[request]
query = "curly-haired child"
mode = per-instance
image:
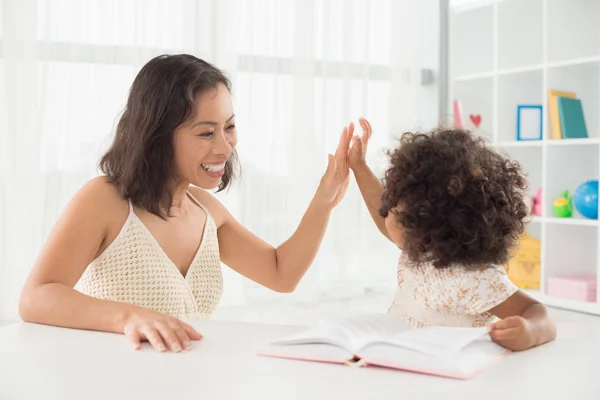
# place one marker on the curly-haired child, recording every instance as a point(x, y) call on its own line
point(455, 207)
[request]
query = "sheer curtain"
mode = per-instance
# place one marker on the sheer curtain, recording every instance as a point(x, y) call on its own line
point(301, 69)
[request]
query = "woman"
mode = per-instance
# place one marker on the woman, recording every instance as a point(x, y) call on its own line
point(145, 241)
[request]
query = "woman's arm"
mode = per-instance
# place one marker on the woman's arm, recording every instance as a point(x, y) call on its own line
point(281, 268)
point(49, 297)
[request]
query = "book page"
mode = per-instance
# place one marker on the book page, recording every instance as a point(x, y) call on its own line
point(474, 358)
point(334, 337)
point(363, 328)
point(438, 341)
point(356, 331)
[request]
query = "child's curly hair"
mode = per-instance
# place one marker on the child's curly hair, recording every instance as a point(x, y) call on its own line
point(459, 201)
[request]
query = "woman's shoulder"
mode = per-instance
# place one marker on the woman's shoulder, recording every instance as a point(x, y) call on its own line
point(95, 213)
point(100, 198)
point(102, 190)
point(215, 208)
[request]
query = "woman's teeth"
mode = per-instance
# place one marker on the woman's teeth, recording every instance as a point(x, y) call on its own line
point(213, 167)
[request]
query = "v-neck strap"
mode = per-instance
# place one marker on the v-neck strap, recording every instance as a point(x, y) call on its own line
point(195, 200)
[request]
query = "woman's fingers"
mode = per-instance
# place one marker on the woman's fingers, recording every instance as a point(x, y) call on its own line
point(182, 336)
point(344, 142)
point(191, 332)
point(170, 338)
point(136, 339)
point(151, 334)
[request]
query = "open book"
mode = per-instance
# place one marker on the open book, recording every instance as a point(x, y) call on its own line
point(386, 341)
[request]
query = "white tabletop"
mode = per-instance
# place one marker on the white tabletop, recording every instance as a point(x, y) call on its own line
point(54, 363)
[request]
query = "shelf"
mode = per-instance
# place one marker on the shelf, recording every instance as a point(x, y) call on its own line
point(536, 46)
point(566, 304)
point(520, 70)
point(528, 68)
point(571, 221)
point(474, 77)
point(573, 142)
point(520, 144)
point(574, 62)
point(540, 143)
point(500, 72)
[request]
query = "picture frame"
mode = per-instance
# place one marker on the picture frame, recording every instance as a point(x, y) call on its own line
point(529, 122)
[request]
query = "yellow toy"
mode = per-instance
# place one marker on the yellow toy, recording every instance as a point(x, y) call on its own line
point(524, 267)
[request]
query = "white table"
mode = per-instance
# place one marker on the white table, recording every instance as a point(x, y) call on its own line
point(53, 363)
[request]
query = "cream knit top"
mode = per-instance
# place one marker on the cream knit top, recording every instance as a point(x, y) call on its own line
point(134, 269)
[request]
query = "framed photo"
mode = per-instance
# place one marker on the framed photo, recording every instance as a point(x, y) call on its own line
point(529, 122)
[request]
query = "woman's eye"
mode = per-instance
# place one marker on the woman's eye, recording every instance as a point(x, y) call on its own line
point(206, 135)
point(230, 127)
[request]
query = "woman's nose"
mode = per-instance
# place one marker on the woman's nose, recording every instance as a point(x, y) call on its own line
point(222, 145)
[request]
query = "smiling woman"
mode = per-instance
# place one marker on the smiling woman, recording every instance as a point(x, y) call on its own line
point(144, 242)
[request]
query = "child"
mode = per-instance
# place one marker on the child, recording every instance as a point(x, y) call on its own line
point(456, 208)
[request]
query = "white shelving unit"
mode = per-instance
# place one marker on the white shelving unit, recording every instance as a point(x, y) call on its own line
point(509, 52)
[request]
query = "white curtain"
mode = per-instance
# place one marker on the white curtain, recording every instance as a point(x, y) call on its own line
point(301, 69)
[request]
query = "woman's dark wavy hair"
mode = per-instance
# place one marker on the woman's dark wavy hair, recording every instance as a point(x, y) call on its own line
point(459, 201)
point(140, 161)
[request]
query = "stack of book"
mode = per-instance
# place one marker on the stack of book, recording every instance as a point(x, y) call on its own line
point(565, 111)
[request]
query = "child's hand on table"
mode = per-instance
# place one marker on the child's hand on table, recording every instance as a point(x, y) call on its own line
point(514, 333)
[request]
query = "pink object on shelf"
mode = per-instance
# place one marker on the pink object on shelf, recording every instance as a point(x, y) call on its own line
point(457, 114)
point(576, 287)
point(475, 119)
point(537, 203)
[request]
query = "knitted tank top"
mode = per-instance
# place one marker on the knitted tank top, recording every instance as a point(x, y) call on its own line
point(134, 269)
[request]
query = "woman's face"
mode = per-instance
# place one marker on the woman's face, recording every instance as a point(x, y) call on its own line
point(203, 144)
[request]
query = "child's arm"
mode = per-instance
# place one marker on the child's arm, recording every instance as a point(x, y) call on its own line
point(369, 185)
point(524, 323)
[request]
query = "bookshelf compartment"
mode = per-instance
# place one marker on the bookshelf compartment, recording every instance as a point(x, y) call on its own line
point(573, 30)
point(570, 251)
point(516, 89)
point(476, 98)
point(584, 80)
point(474, 30)
point(520, 33)
point(568, 168)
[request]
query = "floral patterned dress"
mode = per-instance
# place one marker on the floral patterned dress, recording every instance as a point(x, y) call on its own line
point(453, 296)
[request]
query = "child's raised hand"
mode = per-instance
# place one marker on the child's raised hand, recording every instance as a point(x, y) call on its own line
point(358, 149)
point(514, 333)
